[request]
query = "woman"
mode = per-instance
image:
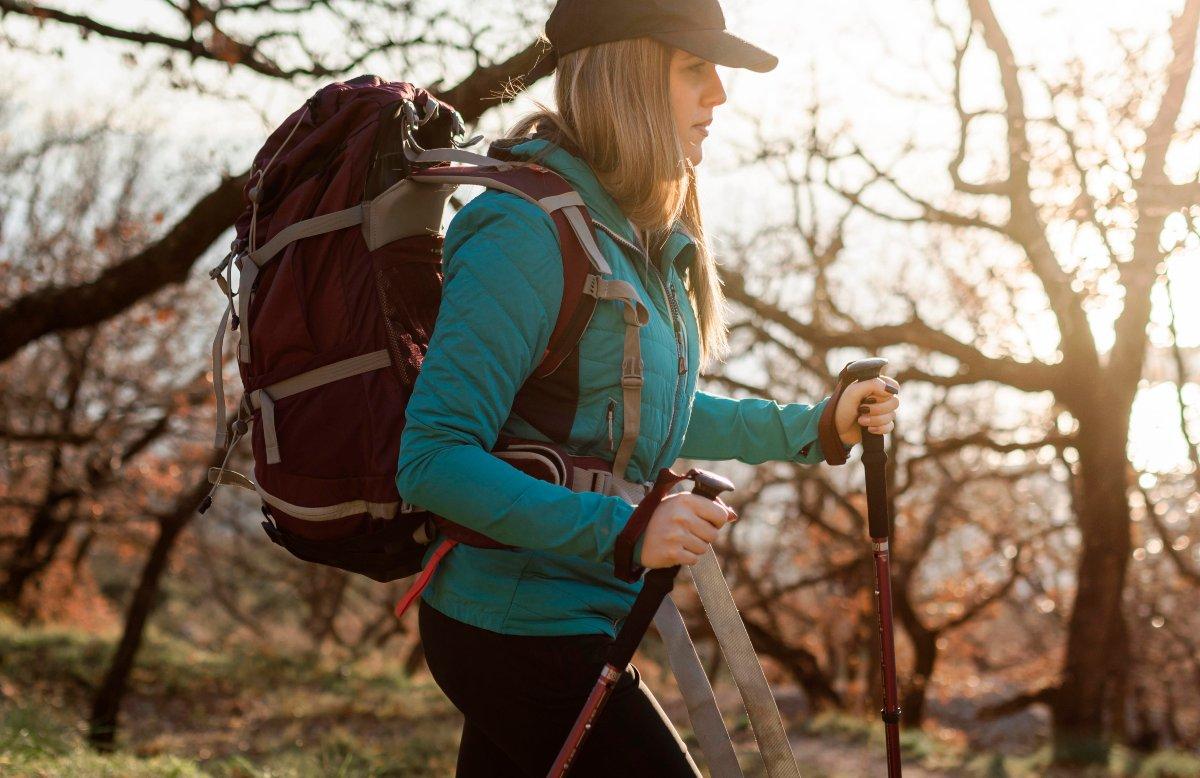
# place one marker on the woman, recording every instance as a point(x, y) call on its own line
point(516, 637)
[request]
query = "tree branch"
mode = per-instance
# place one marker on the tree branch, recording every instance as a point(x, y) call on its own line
point(168, 261)
point(1027, 376)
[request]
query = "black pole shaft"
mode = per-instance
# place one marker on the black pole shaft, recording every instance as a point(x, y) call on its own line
point(657, 584)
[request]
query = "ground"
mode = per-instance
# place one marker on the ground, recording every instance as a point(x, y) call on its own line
point(194, 713)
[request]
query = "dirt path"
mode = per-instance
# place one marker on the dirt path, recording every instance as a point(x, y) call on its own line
point(827, 758)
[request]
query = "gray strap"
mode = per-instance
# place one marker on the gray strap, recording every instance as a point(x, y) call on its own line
point(318, 225)
point(222, 435)
point(588, 239)
point(574, 216)
point(238, 433)
point(743, 663)
point(589, 480)
point(460, 155)
point(266, 397)
point(264, 401)
point(221, 476)
point(249, 271)
point(557, 202)
point(697, 692)
point(363, 363)
point(636, 317)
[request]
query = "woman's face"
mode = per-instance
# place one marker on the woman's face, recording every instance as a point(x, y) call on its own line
point(695, 91)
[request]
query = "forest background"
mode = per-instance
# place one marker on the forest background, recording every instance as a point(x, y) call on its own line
point(1001, 198)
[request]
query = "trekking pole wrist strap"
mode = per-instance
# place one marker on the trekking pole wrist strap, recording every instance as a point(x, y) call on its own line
point(831, 441)
point(624, 566)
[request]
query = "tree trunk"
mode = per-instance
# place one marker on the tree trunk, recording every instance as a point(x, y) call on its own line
point(913, 699)
point(102, 728)
point(797, 662)
point(37, 549)
point(1091, 675)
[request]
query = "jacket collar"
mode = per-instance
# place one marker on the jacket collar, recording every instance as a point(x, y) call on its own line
point(680, 247)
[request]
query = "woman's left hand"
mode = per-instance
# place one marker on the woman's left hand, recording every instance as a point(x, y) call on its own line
point(867, 403)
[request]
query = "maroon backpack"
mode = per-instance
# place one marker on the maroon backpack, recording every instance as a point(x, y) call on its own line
point(339, 253)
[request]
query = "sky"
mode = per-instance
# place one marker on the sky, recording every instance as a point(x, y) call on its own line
point(864, 61)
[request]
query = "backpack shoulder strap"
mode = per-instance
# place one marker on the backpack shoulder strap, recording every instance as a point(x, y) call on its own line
point(583, 262)
point(585, 282)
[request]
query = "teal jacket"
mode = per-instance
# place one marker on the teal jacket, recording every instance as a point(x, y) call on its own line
point(502, 290)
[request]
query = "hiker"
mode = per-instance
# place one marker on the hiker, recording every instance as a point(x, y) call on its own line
point(516, 636)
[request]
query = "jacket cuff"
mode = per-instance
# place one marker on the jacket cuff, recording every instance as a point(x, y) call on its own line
point(626, 566)
point(813, 453)
point(831, 443)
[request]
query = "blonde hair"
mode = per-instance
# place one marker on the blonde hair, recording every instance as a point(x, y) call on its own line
point(614, 111)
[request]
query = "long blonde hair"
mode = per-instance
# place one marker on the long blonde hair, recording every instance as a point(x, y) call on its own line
point(614, 111)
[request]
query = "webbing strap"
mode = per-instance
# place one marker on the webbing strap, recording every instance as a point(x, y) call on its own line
point(604, 482)
point(739, 654)
point(222, 435)
point(573, 214)
point(249, 271)
point(363, 363)
point(266, 397)
point(588, 239)
point(461, 155)
point(264, 401)
point(557, 202)
point(636, 317)
point(221, 476)
point(317, 225)
point(239, 432)
point(697, 692)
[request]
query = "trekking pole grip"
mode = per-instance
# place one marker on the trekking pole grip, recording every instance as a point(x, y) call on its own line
point(657, 583)
point(874, 456)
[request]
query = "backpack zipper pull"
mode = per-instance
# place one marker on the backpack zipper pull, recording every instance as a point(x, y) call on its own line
point(612, 404)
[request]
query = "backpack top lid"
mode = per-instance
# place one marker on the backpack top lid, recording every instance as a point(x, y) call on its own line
point(340, 122)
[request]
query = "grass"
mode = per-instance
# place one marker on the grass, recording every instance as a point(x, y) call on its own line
point(252, 715)
point(919, 748)
point(195, 713)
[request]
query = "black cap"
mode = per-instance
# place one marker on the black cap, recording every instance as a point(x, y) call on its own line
point(696, 26)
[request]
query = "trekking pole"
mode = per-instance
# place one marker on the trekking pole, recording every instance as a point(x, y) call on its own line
point(656, 585)
point(874, 458)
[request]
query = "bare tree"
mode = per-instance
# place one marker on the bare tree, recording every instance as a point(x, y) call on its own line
point(1125, 213)
point(206, 31)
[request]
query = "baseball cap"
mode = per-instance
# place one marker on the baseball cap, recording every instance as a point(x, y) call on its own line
point(696, 26)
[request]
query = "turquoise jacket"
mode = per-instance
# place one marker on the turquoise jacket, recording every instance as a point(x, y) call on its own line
point(502, 290)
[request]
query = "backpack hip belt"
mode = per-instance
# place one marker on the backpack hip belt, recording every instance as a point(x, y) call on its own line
point(547, 462)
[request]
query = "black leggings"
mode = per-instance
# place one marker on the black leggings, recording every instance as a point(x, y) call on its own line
point(520, 695)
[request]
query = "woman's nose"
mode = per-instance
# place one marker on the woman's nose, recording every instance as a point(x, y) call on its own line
point(715, 93)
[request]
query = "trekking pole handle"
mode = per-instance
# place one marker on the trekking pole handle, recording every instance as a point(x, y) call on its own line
point(710, 485)
point(874, 456)
point(657, 583)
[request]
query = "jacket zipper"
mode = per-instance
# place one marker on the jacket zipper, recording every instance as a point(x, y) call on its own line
point(676, 326)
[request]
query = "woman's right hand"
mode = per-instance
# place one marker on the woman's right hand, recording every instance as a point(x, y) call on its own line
point(682, 528)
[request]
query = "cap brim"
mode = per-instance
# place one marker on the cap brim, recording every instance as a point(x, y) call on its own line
point(721, 47)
